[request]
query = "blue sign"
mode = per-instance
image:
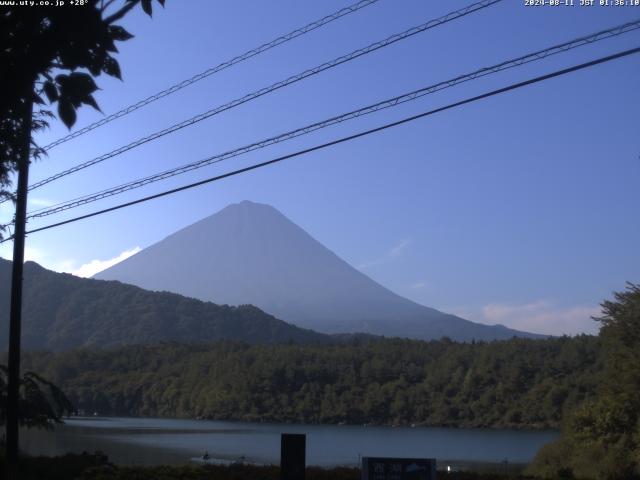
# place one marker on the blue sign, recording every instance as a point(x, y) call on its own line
point(379, 468)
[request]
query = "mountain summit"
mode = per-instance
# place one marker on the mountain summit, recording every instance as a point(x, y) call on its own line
point(249, 253)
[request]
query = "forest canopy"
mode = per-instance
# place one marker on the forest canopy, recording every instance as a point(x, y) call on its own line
point(517, 383)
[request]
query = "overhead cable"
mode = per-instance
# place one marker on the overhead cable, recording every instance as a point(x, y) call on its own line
point(276, 86)
point(492, 93)
point(213, 70)
point(391, 102)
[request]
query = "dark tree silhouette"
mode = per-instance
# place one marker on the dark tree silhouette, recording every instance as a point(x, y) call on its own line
point(601, 439)
point(42, 404)
point(52, 54)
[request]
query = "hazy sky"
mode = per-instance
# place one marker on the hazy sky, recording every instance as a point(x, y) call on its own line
point(521, 209)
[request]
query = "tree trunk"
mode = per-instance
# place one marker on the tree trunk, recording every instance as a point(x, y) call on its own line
point(13, 387)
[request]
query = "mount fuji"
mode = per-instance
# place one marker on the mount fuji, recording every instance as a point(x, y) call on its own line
point(250, 253)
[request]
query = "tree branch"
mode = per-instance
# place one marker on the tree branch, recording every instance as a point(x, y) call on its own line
point(104, 6)
point(122, 12)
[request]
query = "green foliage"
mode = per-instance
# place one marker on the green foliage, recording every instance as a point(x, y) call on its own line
point(510, 384)
point(77, 43)
point(41, 403)
point(602, 439)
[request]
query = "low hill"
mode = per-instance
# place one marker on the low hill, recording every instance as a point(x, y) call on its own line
point(61, 311)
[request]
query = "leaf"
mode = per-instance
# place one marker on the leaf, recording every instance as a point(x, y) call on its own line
point(119, 33)
point(38, 125)
point(111, 67)
point(94, 68)
point(61, 79)
point(66, 112)
point(89, 100)
point(83, 81)
point(71, 57)
point(161, 2)
point(51, 91)
point(37, 99)
point(146, 6)
point(107, 41)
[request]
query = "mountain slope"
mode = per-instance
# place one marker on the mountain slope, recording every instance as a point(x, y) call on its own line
point(61, 311)
point(251, 253)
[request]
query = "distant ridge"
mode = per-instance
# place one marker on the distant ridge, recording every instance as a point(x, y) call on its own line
point(61, 311)
point(249, 253)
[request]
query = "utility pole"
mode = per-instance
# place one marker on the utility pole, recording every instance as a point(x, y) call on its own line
point(15, 321)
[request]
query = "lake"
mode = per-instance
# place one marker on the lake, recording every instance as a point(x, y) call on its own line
point(152, 441)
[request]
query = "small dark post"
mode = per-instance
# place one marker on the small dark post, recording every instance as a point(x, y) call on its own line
point(293, 450)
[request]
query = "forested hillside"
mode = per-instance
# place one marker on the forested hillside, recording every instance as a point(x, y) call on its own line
point(62, 311)
point(517, 383)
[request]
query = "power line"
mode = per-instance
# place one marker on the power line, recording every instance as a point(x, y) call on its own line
point(525, 59)
point(218, 68)
point(278, 85)
point(514, 86)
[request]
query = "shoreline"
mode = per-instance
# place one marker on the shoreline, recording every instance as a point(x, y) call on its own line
point(149, 441)
point(497, 428)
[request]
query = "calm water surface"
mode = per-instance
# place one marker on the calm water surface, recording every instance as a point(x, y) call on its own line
point(149, 441)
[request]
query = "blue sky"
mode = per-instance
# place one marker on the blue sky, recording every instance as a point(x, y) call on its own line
point(521, 209)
